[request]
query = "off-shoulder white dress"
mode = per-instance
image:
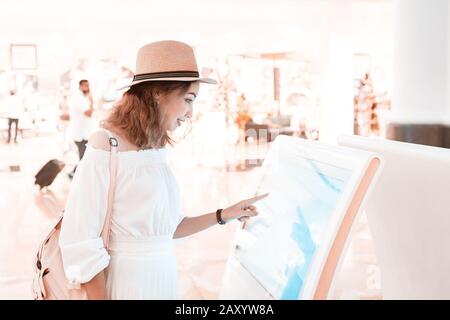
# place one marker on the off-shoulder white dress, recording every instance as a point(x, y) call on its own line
point(140, 262)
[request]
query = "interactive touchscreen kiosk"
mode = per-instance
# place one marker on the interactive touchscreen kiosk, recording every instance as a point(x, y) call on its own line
point(409, 218)
point(291, 250)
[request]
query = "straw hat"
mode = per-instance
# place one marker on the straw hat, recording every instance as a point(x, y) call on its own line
point(166, 61)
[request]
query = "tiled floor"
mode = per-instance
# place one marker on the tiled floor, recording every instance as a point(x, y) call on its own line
point(209, 177)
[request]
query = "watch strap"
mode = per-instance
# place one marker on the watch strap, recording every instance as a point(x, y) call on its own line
point(219, 216)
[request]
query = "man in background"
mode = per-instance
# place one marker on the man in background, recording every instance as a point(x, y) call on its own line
point(81, 108)
point(13, 111)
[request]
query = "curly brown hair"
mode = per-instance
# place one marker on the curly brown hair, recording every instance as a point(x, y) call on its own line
point(137, 116)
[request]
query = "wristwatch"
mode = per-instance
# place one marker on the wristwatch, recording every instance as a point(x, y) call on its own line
point(219, 216)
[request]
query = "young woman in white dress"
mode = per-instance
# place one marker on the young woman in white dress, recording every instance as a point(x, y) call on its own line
point(140, 261)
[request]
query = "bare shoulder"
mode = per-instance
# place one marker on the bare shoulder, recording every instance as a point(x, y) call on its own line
point(99, 140)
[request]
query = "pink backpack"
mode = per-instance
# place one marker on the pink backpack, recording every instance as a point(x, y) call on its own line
point(50, 282)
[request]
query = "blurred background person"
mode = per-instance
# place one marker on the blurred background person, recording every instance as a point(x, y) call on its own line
point(81, 108)
point(243, 115)
point(13, 110)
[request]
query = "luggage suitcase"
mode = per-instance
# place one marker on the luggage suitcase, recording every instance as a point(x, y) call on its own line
point(48, 173)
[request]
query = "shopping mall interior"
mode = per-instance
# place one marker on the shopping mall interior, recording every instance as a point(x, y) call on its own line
point(307, 69)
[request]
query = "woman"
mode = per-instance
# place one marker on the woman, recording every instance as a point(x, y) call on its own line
point(140, 263)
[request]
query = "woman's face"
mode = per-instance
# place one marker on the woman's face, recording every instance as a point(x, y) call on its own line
point(177, 106)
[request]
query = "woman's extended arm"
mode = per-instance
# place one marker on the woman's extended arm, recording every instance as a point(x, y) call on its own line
point(241, 210)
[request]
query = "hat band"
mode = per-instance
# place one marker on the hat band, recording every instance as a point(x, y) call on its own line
point(170, 74)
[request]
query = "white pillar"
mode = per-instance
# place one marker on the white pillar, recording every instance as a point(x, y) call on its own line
point(336, 99)
point(421, 68)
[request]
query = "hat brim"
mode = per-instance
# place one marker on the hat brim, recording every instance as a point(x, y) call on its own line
point(203, 80)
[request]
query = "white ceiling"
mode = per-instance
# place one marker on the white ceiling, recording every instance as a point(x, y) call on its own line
point(117, 27)
point(155, 18)
point(139, 20)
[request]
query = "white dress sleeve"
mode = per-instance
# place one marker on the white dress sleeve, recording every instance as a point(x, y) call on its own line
point(180, 214)
point(82, 249)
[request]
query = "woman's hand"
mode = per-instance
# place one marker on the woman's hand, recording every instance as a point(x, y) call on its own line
point(242, 210)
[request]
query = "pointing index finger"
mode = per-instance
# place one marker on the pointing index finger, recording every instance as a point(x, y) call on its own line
point(257, 198)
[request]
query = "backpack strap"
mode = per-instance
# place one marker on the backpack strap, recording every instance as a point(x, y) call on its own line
point(106, 230)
